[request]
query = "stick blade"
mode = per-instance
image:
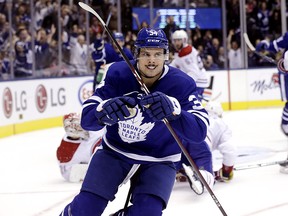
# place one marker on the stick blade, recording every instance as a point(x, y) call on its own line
point(91, 10)
point(248, 42)
point(84, 6)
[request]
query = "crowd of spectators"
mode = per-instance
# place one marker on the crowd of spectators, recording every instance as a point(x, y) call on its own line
point(38, 33)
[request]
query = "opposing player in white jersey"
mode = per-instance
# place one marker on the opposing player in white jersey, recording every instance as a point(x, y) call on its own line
point(188, 60)
point(219, 137)
point(76, 148)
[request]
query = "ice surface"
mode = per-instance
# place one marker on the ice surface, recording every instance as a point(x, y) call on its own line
point(31, 184)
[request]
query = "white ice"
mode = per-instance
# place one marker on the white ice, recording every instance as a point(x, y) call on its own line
point(31, 184)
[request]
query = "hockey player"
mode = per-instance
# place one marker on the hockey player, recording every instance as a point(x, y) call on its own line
point(106, 53)
point(76, 148)
point(275, 46)
point(186, 172)
point(188, 60)
point(137, 143)
point(219, 137)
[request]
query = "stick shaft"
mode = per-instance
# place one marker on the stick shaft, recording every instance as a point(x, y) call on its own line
point(252, 48)
point(252, 166)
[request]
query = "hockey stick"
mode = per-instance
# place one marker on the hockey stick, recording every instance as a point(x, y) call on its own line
point(107, 23)
point(212, 99)
point(252, 48)
point(251, 166)
point(145, 89)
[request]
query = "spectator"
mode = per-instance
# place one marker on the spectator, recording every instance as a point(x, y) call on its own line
point(170, 27)
point(43, 55)
point(144, 23)
point(22, 16)
point(23, 54)
point(43, 9)
point(4, 32)
point(210, 64)
point(234, 52)
point(274, 22)
point(233, 14)
point(96, 29)
point(221, 58)
point(263, 16)
point(251, 17)
point(79, 54)
point(4, 65)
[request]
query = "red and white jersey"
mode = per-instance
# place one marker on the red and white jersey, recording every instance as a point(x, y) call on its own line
point(219, 137)
point(73, 152)
point(189, 61)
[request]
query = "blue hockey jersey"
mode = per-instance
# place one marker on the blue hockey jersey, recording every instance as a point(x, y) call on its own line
point(109, 55)
point(281, 42)
point(140, 139)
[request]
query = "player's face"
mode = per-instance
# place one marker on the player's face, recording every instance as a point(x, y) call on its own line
point(178, 44)
point(151, 62)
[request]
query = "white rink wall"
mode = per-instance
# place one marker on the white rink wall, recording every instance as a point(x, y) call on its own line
point(28, 105)
point(243, 89)
point(40, 103)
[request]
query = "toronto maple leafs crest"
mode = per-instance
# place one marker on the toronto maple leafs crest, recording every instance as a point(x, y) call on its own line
point(133, 129)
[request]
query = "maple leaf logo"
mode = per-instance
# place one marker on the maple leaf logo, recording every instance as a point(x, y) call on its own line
point(134, 130)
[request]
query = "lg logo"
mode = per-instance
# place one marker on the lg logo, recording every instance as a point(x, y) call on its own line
point(19, 101)
point(7, 102)
point(41, 98)
point(57, 98)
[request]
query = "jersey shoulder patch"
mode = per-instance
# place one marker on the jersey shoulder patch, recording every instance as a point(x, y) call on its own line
point(185, 51)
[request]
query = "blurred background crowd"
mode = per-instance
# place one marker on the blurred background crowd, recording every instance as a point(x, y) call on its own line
point(46, 38)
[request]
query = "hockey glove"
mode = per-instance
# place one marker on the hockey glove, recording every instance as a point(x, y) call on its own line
point(98, 45)
point(113, 110)
point(98, 54)
point(262, 45)
point(159, 106)
point(225, 174)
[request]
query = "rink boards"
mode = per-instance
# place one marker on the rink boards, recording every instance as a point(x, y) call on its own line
point(29, 105)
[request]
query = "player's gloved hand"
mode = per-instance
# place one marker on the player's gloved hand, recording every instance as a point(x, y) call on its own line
point(159, 106)
point(262, 45)
point(114, 110)
point(97, 54)
point(225, 174)
point(98, 44)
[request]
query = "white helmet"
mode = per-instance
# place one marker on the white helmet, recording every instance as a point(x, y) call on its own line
point(214, 108)
point(180, 34)
point(72, 127)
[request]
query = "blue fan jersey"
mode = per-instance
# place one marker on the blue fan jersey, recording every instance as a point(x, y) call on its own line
point(139, 139)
